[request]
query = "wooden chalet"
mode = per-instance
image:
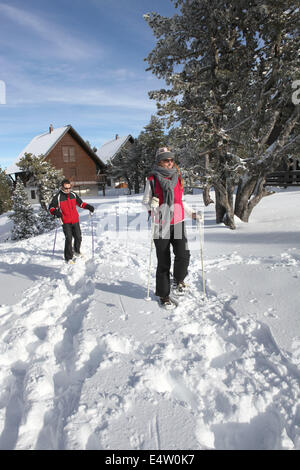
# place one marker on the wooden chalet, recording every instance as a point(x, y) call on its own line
point(66, 150)
point(109, 151)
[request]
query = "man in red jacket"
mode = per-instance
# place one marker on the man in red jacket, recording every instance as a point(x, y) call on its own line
point(63, 206)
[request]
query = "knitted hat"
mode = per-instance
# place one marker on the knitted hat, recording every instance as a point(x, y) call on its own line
point(163, 153)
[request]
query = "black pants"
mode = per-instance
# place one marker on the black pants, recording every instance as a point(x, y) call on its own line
point(177, 238)
point(70, 231)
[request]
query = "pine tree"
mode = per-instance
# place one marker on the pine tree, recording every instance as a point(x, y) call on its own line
point(23, 217)
point(135, 162)
point(5, 193)
point(47, 179)
point(149, 140)
point(229, 69)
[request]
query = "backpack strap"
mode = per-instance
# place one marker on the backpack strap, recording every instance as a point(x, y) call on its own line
point(152, 184)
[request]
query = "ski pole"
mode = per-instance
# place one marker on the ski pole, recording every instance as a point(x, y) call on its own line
point(201, 255)
point(54, 240)
point(150, 262)
point(154, 206)
point(57, 225)
point(92, 235)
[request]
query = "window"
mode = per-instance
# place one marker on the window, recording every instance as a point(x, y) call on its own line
point(68, 153)
point(71, 154)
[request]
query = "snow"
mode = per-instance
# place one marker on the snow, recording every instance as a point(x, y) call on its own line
point(87, 363)
point(108, 150)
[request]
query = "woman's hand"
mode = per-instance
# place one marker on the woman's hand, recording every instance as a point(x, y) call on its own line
point(198, 216)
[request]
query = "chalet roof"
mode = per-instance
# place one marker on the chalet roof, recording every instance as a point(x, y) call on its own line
point(109, 150)
point(44, 143)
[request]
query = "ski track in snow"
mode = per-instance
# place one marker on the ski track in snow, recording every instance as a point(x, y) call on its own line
point(87, 363)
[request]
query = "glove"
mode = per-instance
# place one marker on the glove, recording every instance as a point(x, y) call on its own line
point(89, 208)
point(198, 216)
point(57, 213)
point(155, 202)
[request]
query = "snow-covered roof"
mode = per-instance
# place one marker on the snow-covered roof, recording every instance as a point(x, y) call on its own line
point(44, 143)
point(40, 145)
point(108, 150)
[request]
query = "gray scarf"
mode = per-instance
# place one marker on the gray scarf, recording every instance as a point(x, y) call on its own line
point(167, 186)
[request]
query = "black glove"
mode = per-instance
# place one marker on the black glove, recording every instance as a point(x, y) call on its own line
point(57, 213)
point(89, 208)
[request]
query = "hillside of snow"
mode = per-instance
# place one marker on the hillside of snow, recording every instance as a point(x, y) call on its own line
point(87, 363)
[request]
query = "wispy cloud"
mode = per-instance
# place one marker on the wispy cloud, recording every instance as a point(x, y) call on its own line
point(62, 43)
point(135, 99)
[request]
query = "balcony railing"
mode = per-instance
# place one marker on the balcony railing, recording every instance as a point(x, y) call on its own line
point(284, 178)
point(88, 179)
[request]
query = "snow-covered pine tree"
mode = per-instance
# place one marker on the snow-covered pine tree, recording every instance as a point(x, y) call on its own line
point(5, 193)
point(23, 217)
point(229, 69)
point(120, 168)
point(149, 140)
point(47, 179)
point(135, 162)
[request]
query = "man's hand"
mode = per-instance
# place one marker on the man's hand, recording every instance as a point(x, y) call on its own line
point(57, 213)
point(89, 208)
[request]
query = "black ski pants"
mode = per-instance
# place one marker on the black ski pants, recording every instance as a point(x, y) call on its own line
point(177, 238)
point(72, 231)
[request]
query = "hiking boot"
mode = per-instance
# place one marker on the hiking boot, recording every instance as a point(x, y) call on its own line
point(179, 288)
point(167, 303)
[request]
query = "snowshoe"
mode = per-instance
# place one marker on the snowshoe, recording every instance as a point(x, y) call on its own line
point(167, 303)
point(179, 289)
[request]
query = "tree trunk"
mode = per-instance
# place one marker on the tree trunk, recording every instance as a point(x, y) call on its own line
point(224, 208)
point(220, 209)
point(248, 195)
point(244, 192)
point(136, 185)
point(206, 196)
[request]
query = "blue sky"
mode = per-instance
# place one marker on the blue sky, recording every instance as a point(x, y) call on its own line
point(78, 62)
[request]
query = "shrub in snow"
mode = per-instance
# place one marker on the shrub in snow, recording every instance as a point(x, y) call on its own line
point(24, 220)
point(45, 221)
point(47, 180)
point(5, 193)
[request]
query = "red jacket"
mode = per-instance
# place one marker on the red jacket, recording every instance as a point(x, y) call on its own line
point(178, 193)
point(66, 203)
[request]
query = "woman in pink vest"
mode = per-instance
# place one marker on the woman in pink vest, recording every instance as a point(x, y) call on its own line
point(163, 198)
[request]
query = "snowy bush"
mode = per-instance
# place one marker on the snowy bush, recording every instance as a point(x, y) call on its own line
point(23, 217)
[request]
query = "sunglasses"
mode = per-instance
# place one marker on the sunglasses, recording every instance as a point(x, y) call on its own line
point(168, 160)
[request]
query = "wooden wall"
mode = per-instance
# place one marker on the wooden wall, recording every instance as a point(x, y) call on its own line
point(83, 169)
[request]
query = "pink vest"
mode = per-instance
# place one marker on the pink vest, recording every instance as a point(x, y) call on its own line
point(178, 206)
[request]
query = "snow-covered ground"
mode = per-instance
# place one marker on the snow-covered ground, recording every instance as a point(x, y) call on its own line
point(87, 363)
